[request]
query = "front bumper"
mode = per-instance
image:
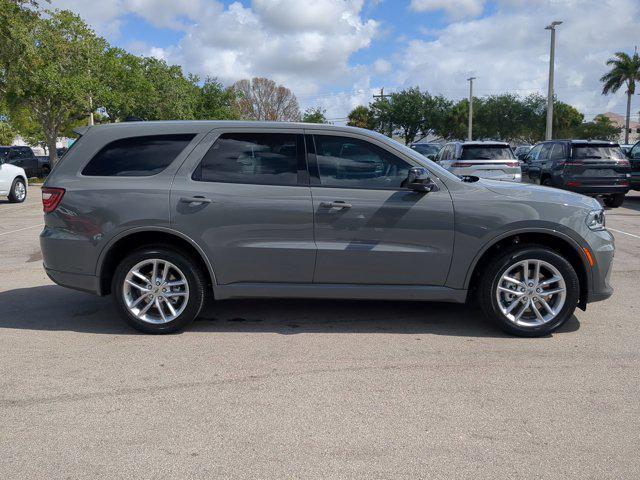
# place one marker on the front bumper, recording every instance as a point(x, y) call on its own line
point(602, 247)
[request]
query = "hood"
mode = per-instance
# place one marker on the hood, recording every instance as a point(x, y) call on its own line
point(529, 191)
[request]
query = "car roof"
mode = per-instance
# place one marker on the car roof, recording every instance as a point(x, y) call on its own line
point(202, 126)
point(485, 143)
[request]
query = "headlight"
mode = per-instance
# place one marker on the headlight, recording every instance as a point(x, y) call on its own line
point(595, 220)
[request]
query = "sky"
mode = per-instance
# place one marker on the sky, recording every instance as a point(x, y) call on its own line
point(337, 53)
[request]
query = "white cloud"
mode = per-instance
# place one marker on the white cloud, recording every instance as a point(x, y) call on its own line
point(381, 66)
point(509, 51)
point(303, 45)
point(456, 9)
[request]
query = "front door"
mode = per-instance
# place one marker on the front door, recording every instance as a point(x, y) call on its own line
point(244, 197)
point(368, 229)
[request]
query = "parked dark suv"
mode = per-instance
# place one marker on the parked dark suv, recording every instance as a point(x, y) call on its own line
point(589, 167)
point(634, 160)
point(163, 214)
point(24, 158)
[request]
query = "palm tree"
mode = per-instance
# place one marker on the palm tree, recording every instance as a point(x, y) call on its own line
point(625, 71)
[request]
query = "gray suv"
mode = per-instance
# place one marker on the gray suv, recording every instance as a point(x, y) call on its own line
point(162, 215)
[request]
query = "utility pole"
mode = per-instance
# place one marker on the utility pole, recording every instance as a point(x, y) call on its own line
point(552, 54)
point(382, 96)
point(470, 134)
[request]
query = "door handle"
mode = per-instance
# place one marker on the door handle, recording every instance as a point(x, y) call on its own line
point(197, 200)
point(336, 204)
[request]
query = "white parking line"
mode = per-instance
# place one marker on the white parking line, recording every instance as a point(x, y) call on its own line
point(20, 229)
point(625, 233)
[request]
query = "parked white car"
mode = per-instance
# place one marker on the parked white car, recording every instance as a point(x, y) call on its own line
point(13, 182)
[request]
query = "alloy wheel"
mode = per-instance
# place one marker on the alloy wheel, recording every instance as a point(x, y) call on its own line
point(531, 293)
point(155, 291)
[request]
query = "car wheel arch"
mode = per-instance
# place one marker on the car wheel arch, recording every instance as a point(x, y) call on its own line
point(555, 239)
point(138, 237)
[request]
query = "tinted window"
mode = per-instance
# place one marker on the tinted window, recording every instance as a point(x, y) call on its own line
point(597, 152)
point(262, 158)
point(137, 156)
point(635, 151)
point(486, 152)
point(349, 162)
point(558, 152)
point(533, 153)
point(546, 151)
point(425, 149)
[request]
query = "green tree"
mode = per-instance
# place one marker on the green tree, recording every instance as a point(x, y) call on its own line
point(566, 120)
point(169, 94)
point(601, 128)
point(625, 71)
point(214, 102)
point(52, 77)
point(122, 89)
point(361, 117)
point(315, 115)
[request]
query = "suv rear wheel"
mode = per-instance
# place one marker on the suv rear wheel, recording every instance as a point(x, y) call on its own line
point(614, 201)
point(529, 291)
point(157, 290)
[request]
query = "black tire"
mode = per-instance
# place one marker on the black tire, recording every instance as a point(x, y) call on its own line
point(46, 171)
point(195, 278)
point(614, 201)
point(508, 258)
point(547, 182)
point(13, 197)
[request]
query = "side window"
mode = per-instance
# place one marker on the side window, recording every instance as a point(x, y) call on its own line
point(353, 163)
point(635, 151)
point(546, 150)
point(533, 153)
point(558, 152)
point(137, 156)
point(256, 158)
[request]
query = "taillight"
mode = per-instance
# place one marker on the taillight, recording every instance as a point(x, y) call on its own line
point(51, 198)
point(512, 164)
point(573, 184)
point(573, 163)
point(623, 163)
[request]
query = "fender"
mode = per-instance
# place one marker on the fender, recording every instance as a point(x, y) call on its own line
point(125, 233)
point(510, 233)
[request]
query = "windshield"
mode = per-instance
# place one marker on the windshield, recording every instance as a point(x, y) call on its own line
point(437, 170)
point(486, 152)
point(426, 149)
point(607, 152)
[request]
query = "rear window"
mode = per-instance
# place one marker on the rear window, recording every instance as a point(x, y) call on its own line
point(597, 152)
point(137, 156)
point(486, 152)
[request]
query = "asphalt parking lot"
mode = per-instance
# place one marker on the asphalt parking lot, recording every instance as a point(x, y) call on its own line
point(312, 389)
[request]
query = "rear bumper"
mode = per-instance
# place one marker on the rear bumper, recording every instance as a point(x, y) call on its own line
point(594, 190)
point(76, 281)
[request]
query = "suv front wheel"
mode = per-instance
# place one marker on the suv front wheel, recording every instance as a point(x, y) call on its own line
point(157, 290)
point(529, 291)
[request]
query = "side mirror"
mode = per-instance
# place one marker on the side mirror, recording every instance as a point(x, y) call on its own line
point(418, 180)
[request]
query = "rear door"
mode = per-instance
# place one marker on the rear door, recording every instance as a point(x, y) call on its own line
point(243, 195)
point(368, 229)
point(537, 166)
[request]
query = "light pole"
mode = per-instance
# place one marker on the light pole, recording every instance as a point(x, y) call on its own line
point(552, 54)
point(470, 134)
